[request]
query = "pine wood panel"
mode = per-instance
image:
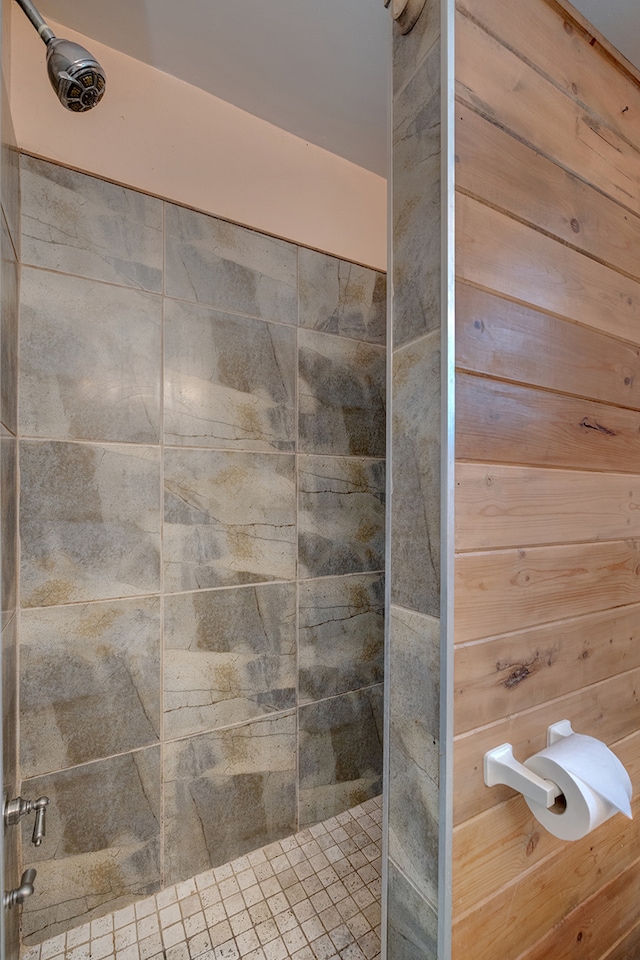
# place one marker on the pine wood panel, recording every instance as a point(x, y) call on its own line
point(506, 340)
point(506, 423)
point(511, 922)
point(495, 167)
point(547, 592)
point(495, 678)
point(503, 255)
point(503, 506)
point(492, 849)
point(505, 590)
point(607, 710)
point(628, 948)
point(589, 930)
point(500, 85)
point(562, 51)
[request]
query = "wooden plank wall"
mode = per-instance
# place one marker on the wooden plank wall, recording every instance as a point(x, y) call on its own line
point(548, 473)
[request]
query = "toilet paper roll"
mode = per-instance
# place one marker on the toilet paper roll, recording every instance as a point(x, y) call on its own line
point(594, 784)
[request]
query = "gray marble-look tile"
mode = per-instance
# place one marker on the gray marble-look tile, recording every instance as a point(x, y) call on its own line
point(11, 850)
point(340, 758)
point(10, 245)
point(414, 707)
point(229, 267)
point(412, 923)
point(341, 396)
point(79, 224)
point(230, 656)
point(8, 524)
point(89, 521)
point(90, 360)
point(10, 157)
point(89, 682)
point(341, 297)
point(341, 516)
point(9, 710)
point(230, 381)
point(102, 849)
point(416, 201)
point(227, 793)
point(410, 49)
point(340, 635)
point(9, 300)
point(416, 428)
point(229, 518)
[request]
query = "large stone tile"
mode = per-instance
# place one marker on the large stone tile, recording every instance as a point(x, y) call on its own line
point(341, 516)
point(229, 518)
point(8, 333)
point(89, 682)
point(229, 267)
point(10, 708)
point(417, 239)
point(415, 527)
point(410, 49)
point(90, 521)
point(414, 707)
point(341, 297)
point(79, 224)
point(11, 849)
point(412, 925)
point(10, 246)
point(340, 759)
point(340, 635)
point(10, 158)
point(341, 396)
point(102, 848)
point(230, 656)
point(8, 524)
point(227, 793)
point(90, 360)
point(230, 381)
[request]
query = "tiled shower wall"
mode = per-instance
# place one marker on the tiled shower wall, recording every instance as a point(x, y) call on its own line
point(201, 548)
point(9, 248)
point(413, 702)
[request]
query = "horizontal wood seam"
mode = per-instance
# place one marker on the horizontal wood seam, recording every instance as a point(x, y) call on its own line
point(468, 734)
point(505, 211)
point(465, 282)
point(545, 76)
point(543, 153)
point(493, 378)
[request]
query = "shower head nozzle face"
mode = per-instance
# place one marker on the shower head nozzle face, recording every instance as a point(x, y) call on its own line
point(77, 78)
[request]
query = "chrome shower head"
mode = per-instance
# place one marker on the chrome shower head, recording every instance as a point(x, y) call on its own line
point(77, 78)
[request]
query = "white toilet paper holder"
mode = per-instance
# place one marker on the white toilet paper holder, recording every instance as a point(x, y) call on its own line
point(500, 766)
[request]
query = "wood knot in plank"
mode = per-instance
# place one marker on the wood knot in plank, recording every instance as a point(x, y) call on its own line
point(590, 424)
point(517, 676)
point(532, 843)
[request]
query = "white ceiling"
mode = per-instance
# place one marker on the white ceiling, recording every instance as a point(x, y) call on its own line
point(317, 68)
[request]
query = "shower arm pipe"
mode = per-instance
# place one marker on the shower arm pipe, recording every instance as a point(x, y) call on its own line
point(46, 33)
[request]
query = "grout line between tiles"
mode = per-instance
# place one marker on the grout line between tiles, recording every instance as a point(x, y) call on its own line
point(275, 715)
point(159, 445)
point(234, 586)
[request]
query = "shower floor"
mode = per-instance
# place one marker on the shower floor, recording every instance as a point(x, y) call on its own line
point(312, 896)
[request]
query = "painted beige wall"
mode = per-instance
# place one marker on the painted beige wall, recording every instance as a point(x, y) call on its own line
point(159, 134)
